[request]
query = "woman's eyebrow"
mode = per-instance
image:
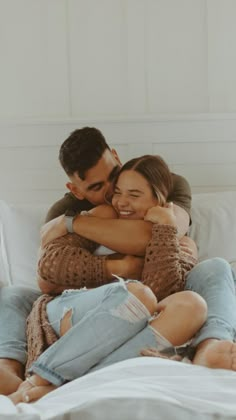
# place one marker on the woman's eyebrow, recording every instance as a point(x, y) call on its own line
point(136, 191)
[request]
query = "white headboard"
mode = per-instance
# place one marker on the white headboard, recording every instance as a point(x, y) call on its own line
point(200, 147)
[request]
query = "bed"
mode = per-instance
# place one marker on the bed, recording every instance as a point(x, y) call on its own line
point(140, 388)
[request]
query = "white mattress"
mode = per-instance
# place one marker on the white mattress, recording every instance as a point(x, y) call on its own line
point(137, 389)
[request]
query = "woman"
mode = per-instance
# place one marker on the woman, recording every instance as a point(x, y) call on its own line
point(114, 322)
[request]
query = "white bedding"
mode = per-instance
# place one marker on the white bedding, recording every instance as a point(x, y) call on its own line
point(137, 389)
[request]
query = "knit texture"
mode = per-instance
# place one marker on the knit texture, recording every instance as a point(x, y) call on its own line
point(40, 334)
point(166, 265)
point(68, 261)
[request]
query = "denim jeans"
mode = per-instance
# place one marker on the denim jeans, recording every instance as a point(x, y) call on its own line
point(214, 280)
point(15, 306)
point(103, 319)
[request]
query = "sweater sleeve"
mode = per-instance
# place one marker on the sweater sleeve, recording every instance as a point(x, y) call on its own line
point(165, 265)
point(68, 261)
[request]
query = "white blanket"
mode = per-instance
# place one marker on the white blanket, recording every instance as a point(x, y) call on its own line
point(137, 389)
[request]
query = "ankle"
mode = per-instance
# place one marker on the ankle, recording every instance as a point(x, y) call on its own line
point(38, 380)
point(206, 343)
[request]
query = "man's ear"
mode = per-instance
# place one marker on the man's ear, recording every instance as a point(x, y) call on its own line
point(116, 156)
point(74, 190)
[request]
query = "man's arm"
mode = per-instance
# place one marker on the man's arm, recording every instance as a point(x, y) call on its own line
point(123, 236)
point(118, 235)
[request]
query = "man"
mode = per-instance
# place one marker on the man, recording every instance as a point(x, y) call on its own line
point(98, 167)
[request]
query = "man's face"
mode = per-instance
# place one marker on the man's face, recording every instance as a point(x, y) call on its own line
point(96, 187)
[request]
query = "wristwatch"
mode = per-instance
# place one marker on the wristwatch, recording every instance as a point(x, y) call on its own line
point(69, 218)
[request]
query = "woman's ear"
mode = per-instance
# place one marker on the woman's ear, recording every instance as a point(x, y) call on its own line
point(74, 190)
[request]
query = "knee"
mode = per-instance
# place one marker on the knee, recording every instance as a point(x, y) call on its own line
point(145, 295)
point(18, 298)
point(12, 296)
point(214, 268)
point(216, 265)
point(192, 304)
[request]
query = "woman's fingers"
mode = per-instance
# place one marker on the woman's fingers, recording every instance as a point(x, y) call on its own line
point(155, 353)
point(152, 352)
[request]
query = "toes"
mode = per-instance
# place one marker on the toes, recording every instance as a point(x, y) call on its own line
point(37, 392)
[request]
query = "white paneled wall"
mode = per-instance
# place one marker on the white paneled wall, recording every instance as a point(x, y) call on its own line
point(201, 148)
point(91, 58)
point(156, 76)
point(33, 49)
point(222, 55)
point(176, 56)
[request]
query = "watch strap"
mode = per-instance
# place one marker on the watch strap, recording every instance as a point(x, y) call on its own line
point(69, 223)
point(69, 218)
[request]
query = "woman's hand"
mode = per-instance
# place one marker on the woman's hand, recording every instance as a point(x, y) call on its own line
point(153, 352)
point(162, 215)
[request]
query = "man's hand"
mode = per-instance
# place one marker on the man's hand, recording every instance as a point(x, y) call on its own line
point(162, 215)
point(188, 245)
point(57, 227)
point(53, 230)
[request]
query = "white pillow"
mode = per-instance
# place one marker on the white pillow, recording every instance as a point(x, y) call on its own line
point(214, 224)
point(233, 265)
point(19, 243)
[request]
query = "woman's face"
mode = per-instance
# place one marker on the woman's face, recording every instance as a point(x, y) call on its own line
point(132, 196)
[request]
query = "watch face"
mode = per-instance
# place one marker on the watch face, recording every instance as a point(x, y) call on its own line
point(70, 213)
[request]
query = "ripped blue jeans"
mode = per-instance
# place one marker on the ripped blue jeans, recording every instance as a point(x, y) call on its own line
point(109, 324)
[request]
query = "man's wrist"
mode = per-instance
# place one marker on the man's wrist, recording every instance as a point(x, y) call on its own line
point(70, 216)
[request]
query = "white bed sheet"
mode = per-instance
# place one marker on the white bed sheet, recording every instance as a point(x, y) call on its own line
point(137, 389)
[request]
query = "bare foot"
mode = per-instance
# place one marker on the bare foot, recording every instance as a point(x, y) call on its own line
point(9, 381)
point(216, 354)
point(31, 390)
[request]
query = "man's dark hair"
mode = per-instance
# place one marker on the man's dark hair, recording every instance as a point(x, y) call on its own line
point(82, 150)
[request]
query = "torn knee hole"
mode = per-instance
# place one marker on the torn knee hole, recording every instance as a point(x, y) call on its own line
point(131, 310)
point(66, 322)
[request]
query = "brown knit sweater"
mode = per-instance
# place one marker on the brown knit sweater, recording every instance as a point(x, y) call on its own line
point(165, 269)
point(69, 261)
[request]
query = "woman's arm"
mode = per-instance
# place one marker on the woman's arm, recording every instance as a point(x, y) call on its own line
point(166, 261)
point(68, 262)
